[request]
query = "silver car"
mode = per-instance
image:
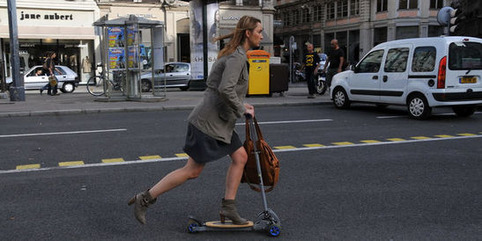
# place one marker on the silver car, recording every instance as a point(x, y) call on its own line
point(176, 75)
point(35, 79)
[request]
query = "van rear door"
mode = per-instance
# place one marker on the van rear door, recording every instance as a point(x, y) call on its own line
point(464, 65)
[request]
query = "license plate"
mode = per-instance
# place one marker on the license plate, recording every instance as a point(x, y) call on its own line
point(468, 80)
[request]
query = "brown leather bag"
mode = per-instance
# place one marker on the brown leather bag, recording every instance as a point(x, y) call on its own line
point(268, 161)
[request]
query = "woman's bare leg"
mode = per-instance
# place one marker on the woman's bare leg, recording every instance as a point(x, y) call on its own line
point(235, 172)
point(177, 177)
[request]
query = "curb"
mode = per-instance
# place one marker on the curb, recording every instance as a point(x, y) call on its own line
point(132, 109)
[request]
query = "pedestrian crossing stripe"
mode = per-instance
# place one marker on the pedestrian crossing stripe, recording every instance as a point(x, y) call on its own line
point(113, 160)
point(72, 163)
point(29, 166)
point(150, 157)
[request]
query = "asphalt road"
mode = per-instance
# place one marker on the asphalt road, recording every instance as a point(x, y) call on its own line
point(361, 174)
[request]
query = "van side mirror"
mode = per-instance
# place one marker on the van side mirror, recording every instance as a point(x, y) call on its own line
point(354, 68)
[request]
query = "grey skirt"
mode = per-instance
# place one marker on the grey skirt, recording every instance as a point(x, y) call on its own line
point(203, 148)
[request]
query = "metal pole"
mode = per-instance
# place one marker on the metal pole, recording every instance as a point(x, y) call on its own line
point(292, 40)
point(17, 91)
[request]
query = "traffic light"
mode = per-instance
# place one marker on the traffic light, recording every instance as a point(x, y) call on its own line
point(457, 18)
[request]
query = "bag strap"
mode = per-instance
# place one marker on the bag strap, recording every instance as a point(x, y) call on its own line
point(258, 130)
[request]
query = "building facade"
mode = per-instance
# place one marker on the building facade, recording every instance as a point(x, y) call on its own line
point(56, 25)
point(358, 25)
point(66, 27)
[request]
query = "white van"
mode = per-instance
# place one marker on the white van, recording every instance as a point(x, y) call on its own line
point(420, 73)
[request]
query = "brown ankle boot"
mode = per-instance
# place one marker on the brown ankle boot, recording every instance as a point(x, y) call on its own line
point(229, 211)
point(142, 201)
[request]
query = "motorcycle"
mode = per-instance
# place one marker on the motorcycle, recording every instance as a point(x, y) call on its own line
point(298, 73)
point(320, 82)
point(320, 79)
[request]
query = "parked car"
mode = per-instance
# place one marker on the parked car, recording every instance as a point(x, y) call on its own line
point(420, 73)
point(35, 79)
point(177, 74)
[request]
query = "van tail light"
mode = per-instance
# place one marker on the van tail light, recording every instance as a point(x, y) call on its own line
point(442, 71)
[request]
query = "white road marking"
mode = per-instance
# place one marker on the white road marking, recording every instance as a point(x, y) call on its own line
point(135, 162)
point(288, 122)
point(406, 116)
point(61, 133)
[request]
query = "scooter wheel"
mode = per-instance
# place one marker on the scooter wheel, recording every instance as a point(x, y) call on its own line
point(274, 230)
point(192, 225)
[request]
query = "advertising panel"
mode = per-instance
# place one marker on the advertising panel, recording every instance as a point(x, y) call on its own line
point(197, 48)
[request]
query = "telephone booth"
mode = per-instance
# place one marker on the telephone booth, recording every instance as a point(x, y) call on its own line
point(122, 56)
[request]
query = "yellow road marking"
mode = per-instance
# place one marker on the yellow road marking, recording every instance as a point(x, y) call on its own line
point(29, 166)
point(345, 143)
point(285, 147)
point(420, 137)
point(182, 155)
point(396, 139)
point(113, 160)
point(370, 141)
point(73, 163)
point(313, 145)
point(150, 157)
point(444, 136)
point(466, 134)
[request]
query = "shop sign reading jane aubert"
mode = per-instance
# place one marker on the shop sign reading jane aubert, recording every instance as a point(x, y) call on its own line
point(51, 16)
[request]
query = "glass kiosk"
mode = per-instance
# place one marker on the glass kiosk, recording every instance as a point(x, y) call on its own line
point(121, 50)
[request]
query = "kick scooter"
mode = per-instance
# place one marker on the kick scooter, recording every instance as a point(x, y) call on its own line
point(267, 220)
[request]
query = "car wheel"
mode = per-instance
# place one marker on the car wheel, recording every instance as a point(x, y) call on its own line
point(68, 87)
point(464, 110)
point(146, 85)
point(418, 107)
point(184, 88)
point(340, 99)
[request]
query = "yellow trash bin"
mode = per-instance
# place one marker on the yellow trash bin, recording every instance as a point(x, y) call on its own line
point(258, 72)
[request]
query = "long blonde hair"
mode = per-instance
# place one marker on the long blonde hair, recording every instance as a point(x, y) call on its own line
point(238, 36)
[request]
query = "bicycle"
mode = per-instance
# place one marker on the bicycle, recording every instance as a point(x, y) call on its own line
point(95, 84)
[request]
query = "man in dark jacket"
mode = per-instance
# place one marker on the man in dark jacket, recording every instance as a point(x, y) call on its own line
point(336, 60)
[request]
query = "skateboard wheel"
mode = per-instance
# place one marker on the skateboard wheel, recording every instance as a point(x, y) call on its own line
point(192, 225)
point(274, 230)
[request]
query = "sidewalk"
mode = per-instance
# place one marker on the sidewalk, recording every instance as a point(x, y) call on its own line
point(81, 102)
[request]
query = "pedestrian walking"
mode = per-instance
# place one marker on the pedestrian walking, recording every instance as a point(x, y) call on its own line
point(311, 62)
point(210, 133)
point(49, 69)
point(335, 62)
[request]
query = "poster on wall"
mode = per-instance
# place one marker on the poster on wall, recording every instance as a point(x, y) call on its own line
point(197, 48)
point(132, 47)
point(116, 37)
point(116, 58)
point(116, 48)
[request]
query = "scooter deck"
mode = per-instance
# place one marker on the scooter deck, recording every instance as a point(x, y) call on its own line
point(227, 224)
